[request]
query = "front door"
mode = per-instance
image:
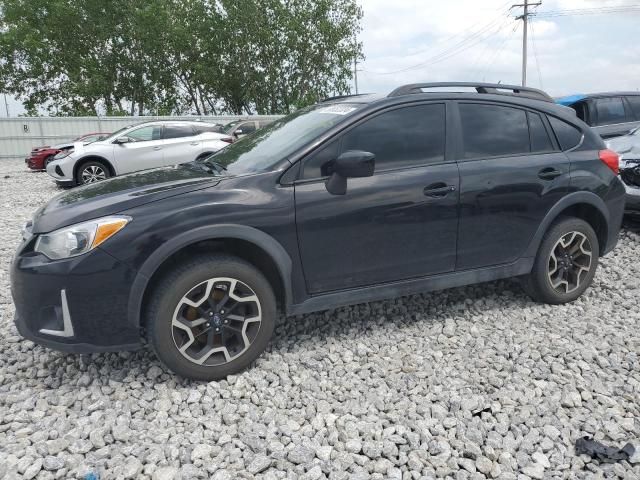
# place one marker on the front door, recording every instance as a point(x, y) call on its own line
point(142, 151)
point(400, 223)
point(512, 173)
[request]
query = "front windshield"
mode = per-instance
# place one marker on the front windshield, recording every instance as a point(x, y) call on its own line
point(229, 126)
point(116, 133)
point(261, 150)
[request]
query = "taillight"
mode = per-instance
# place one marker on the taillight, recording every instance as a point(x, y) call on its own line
point(227, 139)
point(611, 159)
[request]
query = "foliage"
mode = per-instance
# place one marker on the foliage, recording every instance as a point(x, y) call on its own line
point(119, 57)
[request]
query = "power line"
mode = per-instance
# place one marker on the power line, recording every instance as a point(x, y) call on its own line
point(489, 49)
point(451, 48)
point(590, 11)
point(498, 52)
point(459, 47)
point(535, 54)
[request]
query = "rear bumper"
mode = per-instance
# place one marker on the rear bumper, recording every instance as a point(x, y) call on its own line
point(74, 305)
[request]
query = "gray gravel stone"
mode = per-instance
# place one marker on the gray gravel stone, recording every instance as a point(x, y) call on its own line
point(420, 387)
point(259, 464)
point(52, 463)
point(300, 454)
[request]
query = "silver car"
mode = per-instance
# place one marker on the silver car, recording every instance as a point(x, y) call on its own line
point(628, 147)
point(137, 147)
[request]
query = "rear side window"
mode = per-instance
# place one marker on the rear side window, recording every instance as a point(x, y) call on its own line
point(245, 128)
point(178, 131)
point(610, 111)
point(493, 130)
point(540, 141)
point(634, 101)
point(568, 136)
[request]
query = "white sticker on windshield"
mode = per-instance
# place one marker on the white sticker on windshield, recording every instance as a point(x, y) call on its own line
point(337, 109)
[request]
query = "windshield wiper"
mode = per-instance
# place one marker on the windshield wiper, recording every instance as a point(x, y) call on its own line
point(218, 166)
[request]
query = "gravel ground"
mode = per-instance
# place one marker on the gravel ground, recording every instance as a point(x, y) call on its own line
point(475, 382)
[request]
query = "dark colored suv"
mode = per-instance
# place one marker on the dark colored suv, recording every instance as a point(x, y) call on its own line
point(352, 200)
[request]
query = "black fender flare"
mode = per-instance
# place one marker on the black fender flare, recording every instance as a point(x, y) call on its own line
point(259, 238)
point(575, 198)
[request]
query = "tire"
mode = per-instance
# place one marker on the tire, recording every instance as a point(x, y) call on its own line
point(47, 160)
point(92, 172)
point(556, 281)
point(177, 306)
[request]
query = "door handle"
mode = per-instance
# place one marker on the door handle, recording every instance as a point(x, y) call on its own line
point(549, 173)
point(194, 143)
point(438, 190)
point(157, 148)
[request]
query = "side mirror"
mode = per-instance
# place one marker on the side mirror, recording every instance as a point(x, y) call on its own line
point(121, 140)
point(351, 164)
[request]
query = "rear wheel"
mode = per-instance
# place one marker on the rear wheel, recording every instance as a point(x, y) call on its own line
point(211, 317)
point(92, 172)
point(566, 263)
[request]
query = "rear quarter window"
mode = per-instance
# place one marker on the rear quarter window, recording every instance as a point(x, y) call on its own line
point(568, 135)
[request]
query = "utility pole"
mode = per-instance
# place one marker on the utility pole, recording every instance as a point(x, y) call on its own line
point(525, 19)
point(6, 105)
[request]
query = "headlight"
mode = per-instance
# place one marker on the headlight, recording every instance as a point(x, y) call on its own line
point(63, 153)
point(81, 238)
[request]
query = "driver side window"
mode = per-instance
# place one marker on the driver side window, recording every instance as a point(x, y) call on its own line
point(145, 134)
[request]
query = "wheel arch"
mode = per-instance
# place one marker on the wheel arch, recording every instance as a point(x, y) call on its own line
point(584, 205)
point(248, 243)
point(93, 158)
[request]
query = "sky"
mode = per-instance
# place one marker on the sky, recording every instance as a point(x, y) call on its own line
point(408, 41)
point(475, 40)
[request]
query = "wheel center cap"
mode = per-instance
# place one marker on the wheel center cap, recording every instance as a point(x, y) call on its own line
point(217, 320)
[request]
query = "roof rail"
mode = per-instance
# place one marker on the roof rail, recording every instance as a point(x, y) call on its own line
point(338, 97)
point(494, 88)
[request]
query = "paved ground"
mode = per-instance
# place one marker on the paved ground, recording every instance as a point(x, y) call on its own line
point(467, 383)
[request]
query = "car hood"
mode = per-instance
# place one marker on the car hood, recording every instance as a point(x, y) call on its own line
point(121, 193)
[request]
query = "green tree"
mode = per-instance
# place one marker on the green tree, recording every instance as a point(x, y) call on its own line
point(73, 57)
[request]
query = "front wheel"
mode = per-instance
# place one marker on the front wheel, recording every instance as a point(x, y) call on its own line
point(566, 263)
point(92, 172)
point(211, 317)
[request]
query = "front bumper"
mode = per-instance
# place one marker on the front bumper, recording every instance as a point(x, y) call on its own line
point(62, 172)
point(75, 305)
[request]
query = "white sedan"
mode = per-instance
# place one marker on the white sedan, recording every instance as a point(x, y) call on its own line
point(138, 147)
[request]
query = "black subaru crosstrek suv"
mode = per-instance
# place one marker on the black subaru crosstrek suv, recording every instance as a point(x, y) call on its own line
point(354, 199)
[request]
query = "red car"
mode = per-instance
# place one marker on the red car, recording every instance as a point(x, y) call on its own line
point(41, 156)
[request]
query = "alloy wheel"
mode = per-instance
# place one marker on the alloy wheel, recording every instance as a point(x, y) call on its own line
point(570, 262)
point(93, 173)
point(216, 321)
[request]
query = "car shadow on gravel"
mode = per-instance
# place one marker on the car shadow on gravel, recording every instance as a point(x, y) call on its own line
point(402, 312)
point(292, 333)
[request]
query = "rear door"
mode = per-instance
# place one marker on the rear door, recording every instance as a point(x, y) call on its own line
point(144, 150)
point(511, 173)
point(180, 143)
point(400, 223)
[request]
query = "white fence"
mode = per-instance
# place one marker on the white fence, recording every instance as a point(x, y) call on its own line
point(19, 135)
